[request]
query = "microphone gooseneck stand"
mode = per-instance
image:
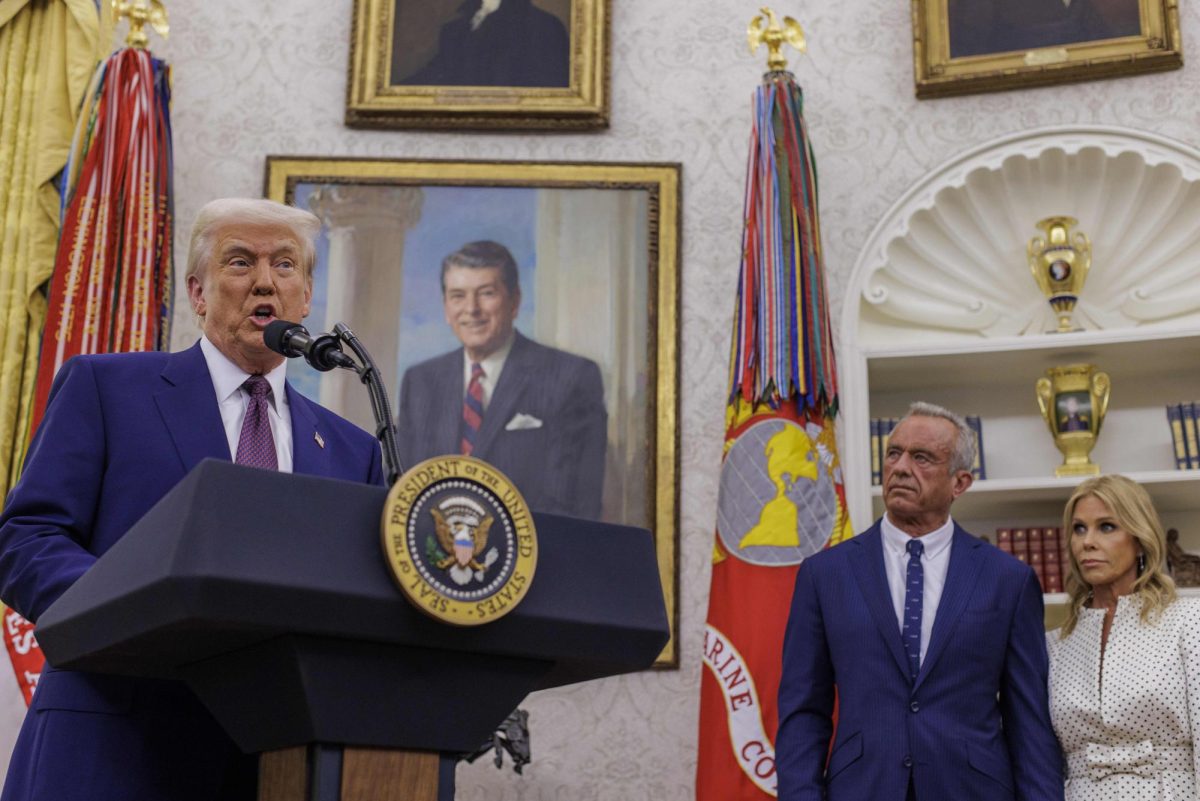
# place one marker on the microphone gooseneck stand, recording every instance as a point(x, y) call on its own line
point(512, 735)
point(368, 373)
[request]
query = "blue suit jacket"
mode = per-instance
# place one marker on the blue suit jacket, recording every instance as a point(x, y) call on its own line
point(974, 725)
point(558, 466)
point(119, 432)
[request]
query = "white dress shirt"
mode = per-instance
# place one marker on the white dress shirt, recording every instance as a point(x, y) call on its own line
point(492, 365)
point(935, 562)
point(227, 379)
point(486, 8)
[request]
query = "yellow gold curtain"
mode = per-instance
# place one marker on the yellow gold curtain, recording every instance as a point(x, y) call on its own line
point(48, 51)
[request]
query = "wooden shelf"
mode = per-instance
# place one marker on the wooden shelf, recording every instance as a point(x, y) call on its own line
point(1044, 496)
point(1126, 354)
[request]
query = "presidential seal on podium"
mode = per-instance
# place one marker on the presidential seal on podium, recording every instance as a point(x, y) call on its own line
point(459, 540)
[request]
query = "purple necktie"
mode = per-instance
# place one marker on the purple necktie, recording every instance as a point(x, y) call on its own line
point(256, 446)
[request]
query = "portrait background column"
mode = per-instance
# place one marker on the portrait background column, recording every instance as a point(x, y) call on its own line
point(592, 283)
point(365, 227)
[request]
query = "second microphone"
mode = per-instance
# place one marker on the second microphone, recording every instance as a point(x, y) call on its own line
point(323, 352)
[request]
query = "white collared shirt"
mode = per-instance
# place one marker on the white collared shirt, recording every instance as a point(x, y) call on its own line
point(492, 365)
point(486, 8)
point(227, 379)
point(935, 562)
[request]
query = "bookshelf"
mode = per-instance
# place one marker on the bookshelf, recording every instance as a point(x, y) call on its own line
point(1042, 498)
point(941, 307)
point(1021, 488)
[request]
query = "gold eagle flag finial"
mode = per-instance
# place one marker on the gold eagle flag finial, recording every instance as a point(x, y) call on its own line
point(775, 35)
point(140, 14)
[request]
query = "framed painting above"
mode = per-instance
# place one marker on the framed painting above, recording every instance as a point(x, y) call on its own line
point(479, 64)
point(965, 46)
point(559, 281)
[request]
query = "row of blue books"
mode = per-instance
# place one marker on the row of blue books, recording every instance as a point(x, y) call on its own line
point(881, 429)
point(1182, 417)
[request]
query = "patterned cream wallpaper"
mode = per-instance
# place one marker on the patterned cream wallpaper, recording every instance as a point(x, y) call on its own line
point(252, 79)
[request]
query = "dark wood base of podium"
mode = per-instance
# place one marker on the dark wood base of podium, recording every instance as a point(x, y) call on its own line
point(336, 773)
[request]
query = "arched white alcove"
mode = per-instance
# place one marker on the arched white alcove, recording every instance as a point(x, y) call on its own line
point(941, 305)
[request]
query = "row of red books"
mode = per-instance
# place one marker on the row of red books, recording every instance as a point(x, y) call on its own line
point(1043, 549)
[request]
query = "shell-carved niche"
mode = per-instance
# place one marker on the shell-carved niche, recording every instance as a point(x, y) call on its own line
point(950, 255)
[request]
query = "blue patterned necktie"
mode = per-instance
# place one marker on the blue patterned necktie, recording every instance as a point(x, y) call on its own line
point(914, 592)
point(256, 446)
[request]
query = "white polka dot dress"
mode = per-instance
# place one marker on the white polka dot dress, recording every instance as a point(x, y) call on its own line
point(1128, 735)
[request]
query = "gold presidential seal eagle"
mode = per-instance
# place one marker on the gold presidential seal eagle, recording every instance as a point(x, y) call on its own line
point(459, 539)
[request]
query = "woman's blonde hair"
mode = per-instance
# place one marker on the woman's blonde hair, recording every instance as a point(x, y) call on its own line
point(1130, 504)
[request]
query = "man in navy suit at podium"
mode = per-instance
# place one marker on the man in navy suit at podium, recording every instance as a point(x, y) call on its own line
point(932, 641)
point(120, 431)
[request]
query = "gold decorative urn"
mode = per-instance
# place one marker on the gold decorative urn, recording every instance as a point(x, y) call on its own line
point(1073, 400)
point(1060, 261)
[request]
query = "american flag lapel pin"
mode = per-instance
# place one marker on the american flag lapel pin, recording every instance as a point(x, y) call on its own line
point(320, 441)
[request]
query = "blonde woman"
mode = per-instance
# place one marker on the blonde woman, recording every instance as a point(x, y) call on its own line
point(1125, 666)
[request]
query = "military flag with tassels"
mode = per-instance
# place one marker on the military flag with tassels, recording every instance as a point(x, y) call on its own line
point(111, 286)
point(47, 53)
point(781, 496)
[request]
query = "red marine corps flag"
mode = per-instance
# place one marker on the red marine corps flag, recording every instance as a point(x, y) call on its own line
point(110, 289)
point(781, 495)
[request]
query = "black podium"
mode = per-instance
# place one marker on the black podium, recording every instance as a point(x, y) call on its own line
point(268, 594)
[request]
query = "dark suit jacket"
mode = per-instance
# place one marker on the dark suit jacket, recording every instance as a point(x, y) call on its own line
point(516, 45)
point(996, 26)
point(558, 466)
point(120, 431)
point(975, 724)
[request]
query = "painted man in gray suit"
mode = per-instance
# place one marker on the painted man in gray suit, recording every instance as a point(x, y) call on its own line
point(535, 412)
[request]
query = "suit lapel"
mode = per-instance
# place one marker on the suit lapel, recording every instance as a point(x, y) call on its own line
point(965, 562)
point(188, 405)
point(867, 561)
point(509, 390)
point(310, 454)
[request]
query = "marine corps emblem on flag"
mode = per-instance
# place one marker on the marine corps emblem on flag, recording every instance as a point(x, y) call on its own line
point(780, 498)
point(460, 540)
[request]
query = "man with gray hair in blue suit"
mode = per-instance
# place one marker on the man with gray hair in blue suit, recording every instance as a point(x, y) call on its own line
point(932, 643)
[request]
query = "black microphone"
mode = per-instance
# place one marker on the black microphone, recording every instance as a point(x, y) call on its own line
point(290, 339)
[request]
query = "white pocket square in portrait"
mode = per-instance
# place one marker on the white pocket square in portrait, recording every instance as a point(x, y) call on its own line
point(522, 422)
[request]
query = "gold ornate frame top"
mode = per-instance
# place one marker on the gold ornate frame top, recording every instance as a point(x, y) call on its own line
point(372, 101)
point(1155, 48)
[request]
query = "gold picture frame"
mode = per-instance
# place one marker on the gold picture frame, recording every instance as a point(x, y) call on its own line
point(597, 250)
point(967, 46)
point(425, 64)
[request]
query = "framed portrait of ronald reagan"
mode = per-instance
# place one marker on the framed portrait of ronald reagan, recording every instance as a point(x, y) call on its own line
point(965, 46)
point(525, 313)
point(479, 64)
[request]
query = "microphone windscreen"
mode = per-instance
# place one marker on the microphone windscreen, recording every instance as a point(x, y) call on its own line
point(277, 331)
